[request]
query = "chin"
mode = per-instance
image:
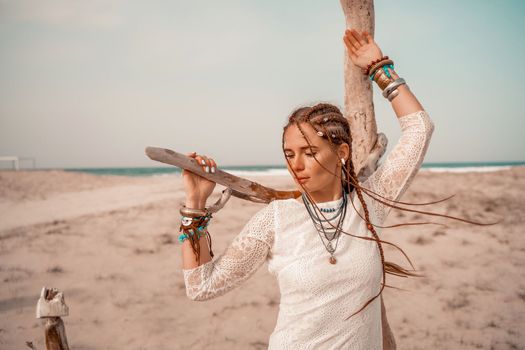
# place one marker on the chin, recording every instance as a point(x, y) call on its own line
point(299, 188)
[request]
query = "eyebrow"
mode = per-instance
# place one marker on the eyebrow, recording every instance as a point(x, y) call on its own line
point(301, 148)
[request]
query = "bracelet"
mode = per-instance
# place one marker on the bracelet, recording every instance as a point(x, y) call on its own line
point(192, 212)
point(193, 228)
point(185, 236)
point(187, 221)
point(195, 243)
point(192, 224)
point(381, 79)
point(367, 71)
point(379, 65)
point(392, 95)
point(393, 86)
point(385, 69)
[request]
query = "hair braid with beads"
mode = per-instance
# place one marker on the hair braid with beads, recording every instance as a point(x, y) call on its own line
point(330, 124)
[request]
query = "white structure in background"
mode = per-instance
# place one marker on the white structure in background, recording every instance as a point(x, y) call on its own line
point(16, 161)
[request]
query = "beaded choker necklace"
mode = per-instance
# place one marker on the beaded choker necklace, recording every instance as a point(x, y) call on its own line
point(330, 233)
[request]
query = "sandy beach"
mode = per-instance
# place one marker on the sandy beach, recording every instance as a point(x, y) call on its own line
point(110, 244)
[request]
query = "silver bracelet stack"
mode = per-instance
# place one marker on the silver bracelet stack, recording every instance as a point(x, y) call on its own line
point(390, 91)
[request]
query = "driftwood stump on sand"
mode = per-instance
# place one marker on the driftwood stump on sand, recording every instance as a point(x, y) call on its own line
point(51, 307)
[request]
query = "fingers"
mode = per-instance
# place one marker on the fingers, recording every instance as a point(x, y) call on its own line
point(350, 41)
point(213, 165)
point(357, 36)
point(351, 49)
point(356, 39)
point(208, 164)
point(369, 37)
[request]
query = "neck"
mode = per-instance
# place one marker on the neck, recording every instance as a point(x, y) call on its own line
point(331, 193)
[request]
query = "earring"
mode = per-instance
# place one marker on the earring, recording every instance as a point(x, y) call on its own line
point(343, 161)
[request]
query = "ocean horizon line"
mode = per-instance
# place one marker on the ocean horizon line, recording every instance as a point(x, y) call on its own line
point(276, 170)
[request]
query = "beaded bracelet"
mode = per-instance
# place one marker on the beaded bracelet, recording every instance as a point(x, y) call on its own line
point(193, 228)
point(192, 224)
point(367, 71)
point(185, 236)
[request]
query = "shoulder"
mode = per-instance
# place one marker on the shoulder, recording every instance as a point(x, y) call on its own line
point(269, 217)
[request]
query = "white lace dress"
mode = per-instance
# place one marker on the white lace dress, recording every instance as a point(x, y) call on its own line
point(317, 296)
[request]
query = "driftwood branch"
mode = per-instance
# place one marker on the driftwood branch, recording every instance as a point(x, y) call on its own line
point(240, 187)
point(359, 105)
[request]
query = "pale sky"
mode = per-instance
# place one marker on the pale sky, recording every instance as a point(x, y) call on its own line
point(92, 83)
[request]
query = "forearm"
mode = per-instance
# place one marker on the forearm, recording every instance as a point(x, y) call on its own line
point(405, 102)
point(189, 259)
point(241, 258)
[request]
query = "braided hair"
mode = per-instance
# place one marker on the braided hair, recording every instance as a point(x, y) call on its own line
point(330, 124)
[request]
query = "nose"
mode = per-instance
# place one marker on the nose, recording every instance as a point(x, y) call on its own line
point(297, 164)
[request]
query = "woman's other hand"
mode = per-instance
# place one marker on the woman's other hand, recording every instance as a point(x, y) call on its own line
point(197, 188)
point(362, 49)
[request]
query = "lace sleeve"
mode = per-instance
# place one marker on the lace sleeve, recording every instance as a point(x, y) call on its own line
point(392, 178)
point(241, 259)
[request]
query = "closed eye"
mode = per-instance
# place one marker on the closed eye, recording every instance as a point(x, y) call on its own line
point(308, 154)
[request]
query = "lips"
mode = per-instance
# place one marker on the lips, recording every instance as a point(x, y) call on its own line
point(302, 179)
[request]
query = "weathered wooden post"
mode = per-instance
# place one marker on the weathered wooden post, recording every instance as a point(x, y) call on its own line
point(367, 144)
point(51, 307)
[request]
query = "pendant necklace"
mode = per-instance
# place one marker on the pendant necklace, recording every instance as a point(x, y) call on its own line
point(330, 233)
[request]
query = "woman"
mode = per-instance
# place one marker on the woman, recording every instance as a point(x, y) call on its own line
point(329, 283)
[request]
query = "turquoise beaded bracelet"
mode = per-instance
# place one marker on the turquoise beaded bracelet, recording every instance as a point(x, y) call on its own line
point(385, 69)
point(200, 230)
point(184, 236)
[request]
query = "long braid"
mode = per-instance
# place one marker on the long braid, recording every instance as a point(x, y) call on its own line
point(328, 121)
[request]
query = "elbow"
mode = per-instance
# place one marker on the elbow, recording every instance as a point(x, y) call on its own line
point(194, 292)
point(417, 123)
point(199, 293)
point(196, 296)
point(426, 125)
point(431, 126)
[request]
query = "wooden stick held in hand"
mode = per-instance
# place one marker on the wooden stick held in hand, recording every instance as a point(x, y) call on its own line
point(240, 187)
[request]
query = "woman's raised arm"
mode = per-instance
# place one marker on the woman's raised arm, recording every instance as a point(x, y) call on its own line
point(393, 177)
point(395, 174)
point(362, 50)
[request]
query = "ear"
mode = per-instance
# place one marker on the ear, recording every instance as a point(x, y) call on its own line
point(343, 151)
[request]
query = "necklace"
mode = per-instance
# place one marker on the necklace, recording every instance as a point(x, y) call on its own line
point(329, 232)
